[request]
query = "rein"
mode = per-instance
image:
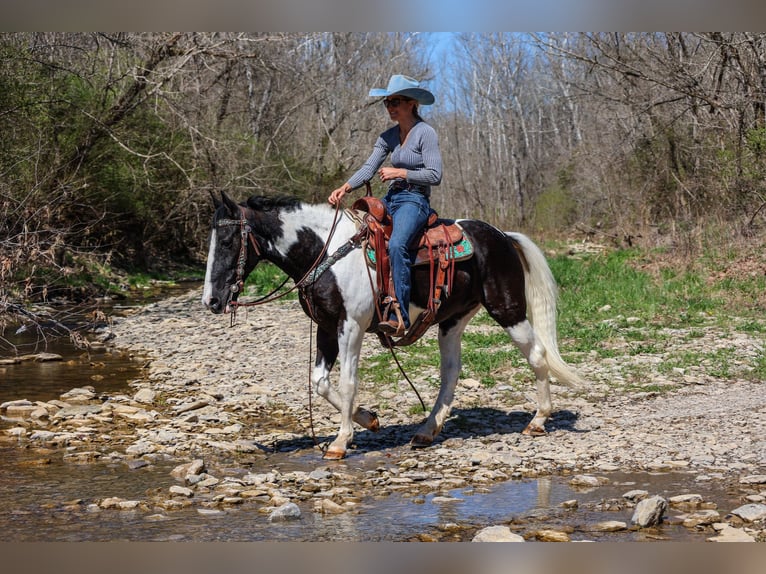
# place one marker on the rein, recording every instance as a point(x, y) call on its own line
point(315, 270)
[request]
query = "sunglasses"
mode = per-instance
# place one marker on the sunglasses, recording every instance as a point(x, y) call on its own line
point(394, 102)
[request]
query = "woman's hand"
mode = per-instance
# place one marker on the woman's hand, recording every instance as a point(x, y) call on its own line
point(388, 173)
point(337, 195)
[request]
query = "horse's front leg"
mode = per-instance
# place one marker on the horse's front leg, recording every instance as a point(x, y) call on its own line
point(450, 364)
point(347, 347)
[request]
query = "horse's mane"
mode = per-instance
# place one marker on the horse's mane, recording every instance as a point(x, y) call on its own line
point(265, 203)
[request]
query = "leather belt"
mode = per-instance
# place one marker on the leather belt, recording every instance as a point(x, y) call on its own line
point(403, 185)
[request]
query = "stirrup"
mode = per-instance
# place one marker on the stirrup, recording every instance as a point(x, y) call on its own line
point(393, 328)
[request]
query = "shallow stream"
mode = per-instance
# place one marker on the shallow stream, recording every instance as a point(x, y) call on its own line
point(44, 498)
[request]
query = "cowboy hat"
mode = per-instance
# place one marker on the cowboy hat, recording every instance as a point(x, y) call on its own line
point(404, 86)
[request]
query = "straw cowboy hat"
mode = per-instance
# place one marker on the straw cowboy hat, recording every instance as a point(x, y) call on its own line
point(404, 86)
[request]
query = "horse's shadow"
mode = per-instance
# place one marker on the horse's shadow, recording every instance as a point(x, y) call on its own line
point(462, 424)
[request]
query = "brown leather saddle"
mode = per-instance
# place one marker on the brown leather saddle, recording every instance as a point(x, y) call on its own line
point(441, 244)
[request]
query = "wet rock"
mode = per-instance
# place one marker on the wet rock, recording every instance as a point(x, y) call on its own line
point(686, 501)
point(587, 481)
point(649, 512)
point(750, 512)
point(547, 535)
point(635, 495)
point(496, 534)
point(20, 409)
point(327, 506)
point(608, 526)
point(176, 490)
point(79, 394)
point(701, 518)
point(287, 511)
point(728, 533)
point(137, 463)
point(116, 503)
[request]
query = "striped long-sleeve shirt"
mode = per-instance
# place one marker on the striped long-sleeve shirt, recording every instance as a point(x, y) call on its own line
point(419, 155)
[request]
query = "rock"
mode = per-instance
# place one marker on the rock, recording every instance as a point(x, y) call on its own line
point(635, 495)
point(181, 491)
point(74, 411)
point(685, 499)
point(140, 447)
point(753, 479)
point(79, 394)
point(116, 503)
point(608, 526)
point(327, 506)
point(496, 534)
point(547, 535)
point(137, 463)
point(288, 511)
point(731, 534)
point(701, 518)
point(193, 468)
point(319, 474)
point(145, 396)
point(649, 511)
point(587, 481)
point(750, 512)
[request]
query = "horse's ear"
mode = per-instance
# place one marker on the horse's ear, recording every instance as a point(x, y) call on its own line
point(230, 204)
point(216, 201)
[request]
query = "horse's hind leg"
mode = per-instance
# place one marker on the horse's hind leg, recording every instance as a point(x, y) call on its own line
point(450, 363)
point(526, 340)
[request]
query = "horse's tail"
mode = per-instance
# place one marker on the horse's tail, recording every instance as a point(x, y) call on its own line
point(542, 294)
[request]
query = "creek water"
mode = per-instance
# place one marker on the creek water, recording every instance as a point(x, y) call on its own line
point(53, 501)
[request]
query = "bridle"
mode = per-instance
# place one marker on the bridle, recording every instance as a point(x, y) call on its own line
point(314, 272)
point(246, 234)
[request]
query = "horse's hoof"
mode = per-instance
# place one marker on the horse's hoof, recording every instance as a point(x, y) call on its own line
point(534, 430)
point(421, 441)
point(366, 419)
point(334, 454)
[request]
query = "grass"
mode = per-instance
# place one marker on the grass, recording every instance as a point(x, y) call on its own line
point(641, 307)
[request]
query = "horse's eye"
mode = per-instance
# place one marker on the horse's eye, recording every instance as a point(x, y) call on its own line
point(227, 243)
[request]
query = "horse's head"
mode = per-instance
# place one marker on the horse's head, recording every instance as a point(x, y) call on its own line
point(229, 259)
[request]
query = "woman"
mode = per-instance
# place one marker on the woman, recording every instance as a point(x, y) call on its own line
point(416, 166)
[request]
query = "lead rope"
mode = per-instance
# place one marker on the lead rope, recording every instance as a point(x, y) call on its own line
point(311, 392)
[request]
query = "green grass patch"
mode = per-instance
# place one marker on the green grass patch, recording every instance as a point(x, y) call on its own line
point(612, 305)
point(265, 278)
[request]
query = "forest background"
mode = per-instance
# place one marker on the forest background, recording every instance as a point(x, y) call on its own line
point(112, 143)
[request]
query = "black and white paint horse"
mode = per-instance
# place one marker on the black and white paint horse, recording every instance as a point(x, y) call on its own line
point(508, 275)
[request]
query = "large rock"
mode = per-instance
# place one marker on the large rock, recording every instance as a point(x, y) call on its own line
point(730, 534)
point(649, 511)
point(496, 534)
point(751, 512)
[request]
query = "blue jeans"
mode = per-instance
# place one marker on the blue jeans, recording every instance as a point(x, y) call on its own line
point(409, 213)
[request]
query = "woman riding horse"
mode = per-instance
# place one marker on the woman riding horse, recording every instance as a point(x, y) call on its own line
point(417, 165)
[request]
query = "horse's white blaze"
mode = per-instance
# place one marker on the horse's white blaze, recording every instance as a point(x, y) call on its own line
point(207, 291)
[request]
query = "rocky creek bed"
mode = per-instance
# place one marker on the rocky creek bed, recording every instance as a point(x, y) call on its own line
point(217, 403)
